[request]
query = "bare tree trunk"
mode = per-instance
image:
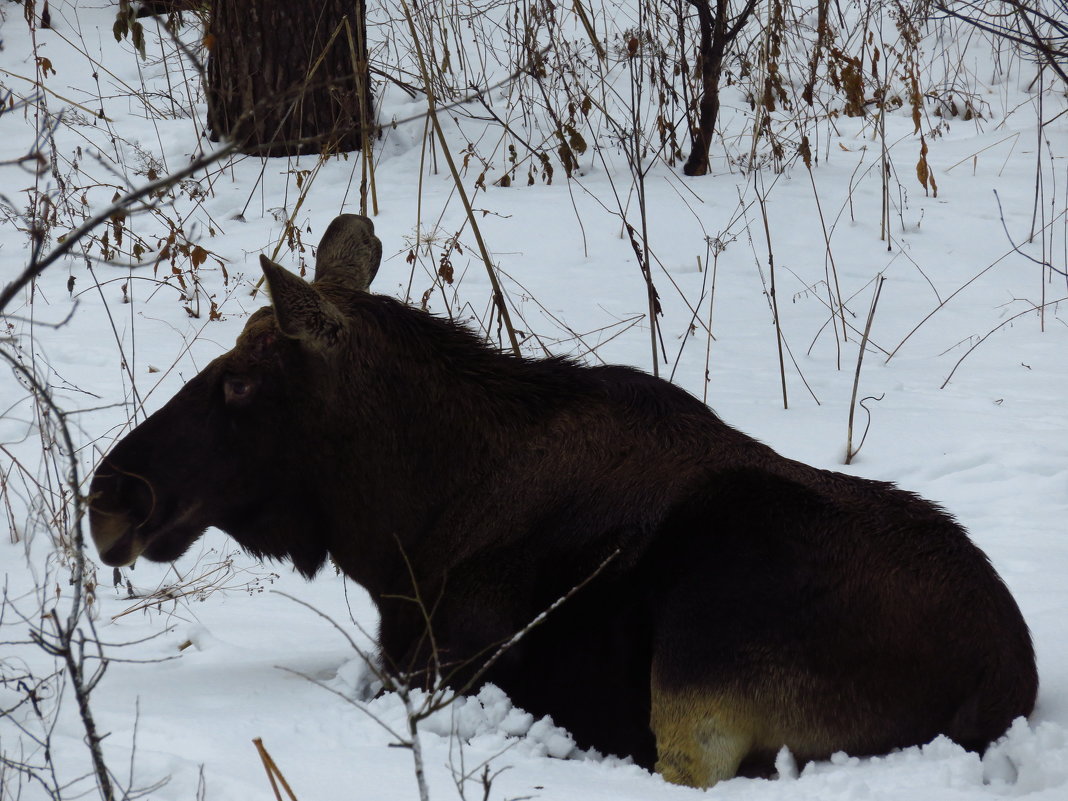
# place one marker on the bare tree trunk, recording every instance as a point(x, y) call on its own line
point(715, 36)
point(285, 78)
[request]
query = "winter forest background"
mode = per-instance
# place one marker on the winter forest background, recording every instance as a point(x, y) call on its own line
point(869, 273)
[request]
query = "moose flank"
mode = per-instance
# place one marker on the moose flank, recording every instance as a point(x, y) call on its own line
point(729, 601)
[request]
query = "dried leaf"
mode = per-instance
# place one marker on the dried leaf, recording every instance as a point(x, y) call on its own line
point(924, 173)
point(445, 270)
point(575, 140)
point(117, 220)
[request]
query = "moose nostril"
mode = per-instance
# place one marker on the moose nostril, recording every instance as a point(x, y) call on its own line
point(107, 488)
point(118, 492)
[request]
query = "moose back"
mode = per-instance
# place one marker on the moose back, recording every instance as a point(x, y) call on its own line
point(730, 601)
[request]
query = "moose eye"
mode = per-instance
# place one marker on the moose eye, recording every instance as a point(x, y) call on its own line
point(238, 391)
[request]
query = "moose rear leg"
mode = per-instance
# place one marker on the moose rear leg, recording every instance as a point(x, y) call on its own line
point(702, 735)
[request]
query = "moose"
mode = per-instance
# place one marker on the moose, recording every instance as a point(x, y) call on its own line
point(722, 601)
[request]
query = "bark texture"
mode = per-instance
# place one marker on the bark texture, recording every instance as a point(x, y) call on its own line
point(287, 78)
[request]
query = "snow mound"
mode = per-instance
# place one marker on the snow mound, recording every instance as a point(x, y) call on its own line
point(1028, 760)
point(488, 720)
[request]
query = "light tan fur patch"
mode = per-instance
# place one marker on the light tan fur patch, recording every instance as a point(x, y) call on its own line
point(701, 737)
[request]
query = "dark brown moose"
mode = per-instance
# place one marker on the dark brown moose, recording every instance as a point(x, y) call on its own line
point(752, 601)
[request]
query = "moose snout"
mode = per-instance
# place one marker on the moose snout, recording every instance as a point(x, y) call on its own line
point(115, 538)
point(118, 505)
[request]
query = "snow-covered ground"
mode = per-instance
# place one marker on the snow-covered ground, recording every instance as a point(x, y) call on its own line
point(202, 675)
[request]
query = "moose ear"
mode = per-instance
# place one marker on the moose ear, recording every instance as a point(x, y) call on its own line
point(349, 252)
point(301, 312)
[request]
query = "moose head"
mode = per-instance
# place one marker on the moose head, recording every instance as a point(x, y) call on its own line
point(221, 452)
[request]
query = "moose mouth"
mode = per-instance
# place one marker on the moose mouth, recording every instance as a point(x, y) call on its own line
point(122, 547)
point(120, 540)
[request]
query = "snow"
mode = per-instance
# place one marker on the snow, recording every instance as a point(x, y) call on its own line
point(194, 678)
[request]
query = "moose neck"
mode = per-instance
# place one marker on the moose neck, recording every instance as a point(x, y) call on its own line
point(419, 424)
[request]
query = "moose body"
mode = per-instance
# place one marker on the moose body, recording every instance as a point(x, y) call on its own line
point(725, 601)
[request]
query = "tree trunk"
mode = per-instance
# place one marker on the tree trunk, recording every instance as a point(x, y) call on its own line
point(715, 36)
point(286, 78)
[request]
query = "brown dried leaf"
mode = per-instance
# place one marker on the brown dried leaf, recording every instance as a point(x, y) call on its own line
point(924, 173)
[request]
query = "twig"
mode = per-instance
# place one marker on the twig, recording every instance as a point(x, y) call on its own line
point(834, 268)
point(850, 453)
point(273, 772)
point(998, 327)
point(774, 301)
point(39, 265)
point(537, 621)
point(943, 303)
point(64, 634)
point(498, 295)
point(1015, 247)
point(41, 87)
